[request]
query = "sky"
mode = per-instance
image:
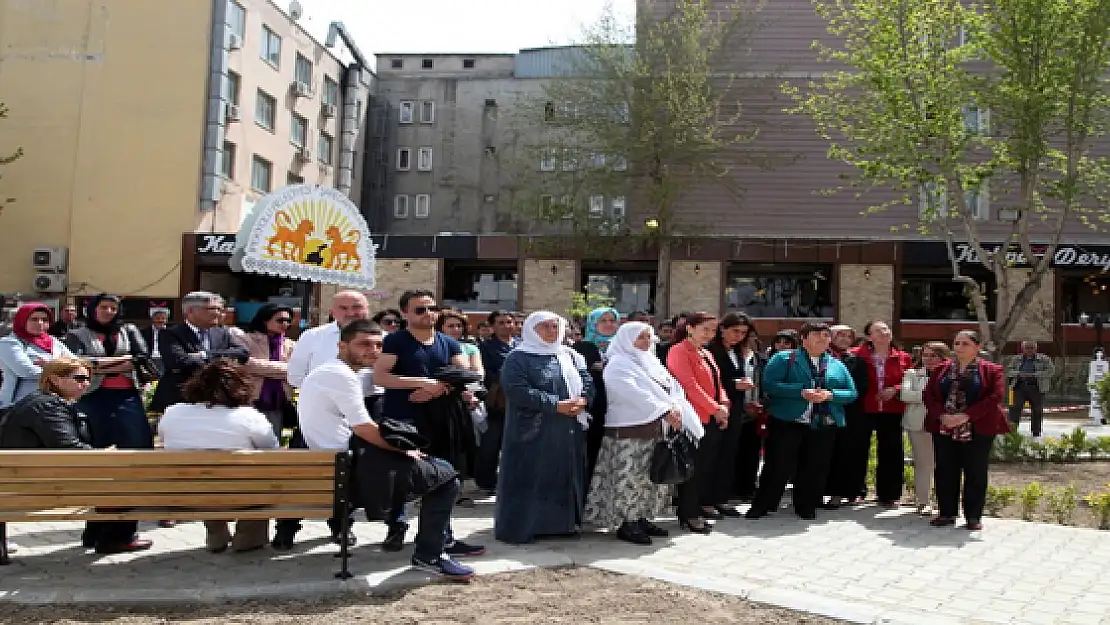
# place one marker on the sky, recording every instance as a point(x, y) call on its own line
point(415, 26)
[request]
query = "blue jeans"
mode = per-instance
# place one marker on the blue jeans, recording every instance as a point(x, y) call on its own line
point(117, 417)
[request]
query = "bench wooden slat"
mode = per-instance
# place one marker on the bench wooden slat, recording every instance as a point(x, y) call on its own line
point(150, 457)
point(234, 472)
point(141, 486)
point(184, 500)
point(158, 514)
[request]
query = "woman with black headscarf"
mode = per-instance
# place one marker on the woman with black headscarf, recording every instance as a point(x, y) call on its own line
point(270, 350)
point(113, 403)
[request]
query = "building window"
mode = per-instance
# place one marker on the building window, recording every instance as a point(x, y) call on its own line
point(547, 159)
point(468, 63)
point(298, 130)
point(976, 120)
point(401, 207)
point(629, 290)
point(597, 206)
point(1082, 293)
point(549, 111)
point(265, 109)
point(396, 63)
point(405, 112)
point(331, 91)
point(231, 88)
point(798, 292)
point(262, 174)
point(237, 18)
point(325, 146)
point(620, 163)
point(618, 208)
point(404, 159)
point(227, 161)
point(427, 112)
point(271, 47)
point(474, 288)
point(570, 159)
point(423, 207)
point(424, 159)
point(427, 64)
point(935, 296)
point(292, 178)
point(302, 71)
point(933, 201)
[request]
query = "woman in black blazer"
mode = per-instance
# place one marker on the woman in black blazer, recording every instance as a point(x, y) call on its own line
point(733, 349)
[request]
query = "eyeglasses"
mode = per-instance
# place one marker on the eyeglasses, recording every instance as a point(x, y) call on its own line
point(423, 310)
point(80, 379)
point(283, 320)
point(215, 308)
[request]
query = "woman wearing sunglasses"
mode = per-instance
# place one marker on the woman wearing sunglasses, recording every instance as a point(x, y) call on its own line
point(48, 418)
point(270, 350)
point(389, 319)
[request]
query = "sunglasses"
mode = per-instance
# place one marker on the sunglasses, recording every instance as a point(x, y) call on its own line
point(389, 321)
point(81, 379)
point(423, 310)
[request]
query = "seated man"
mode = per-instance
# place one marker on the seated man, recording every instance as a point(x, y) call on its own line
point(331, 409)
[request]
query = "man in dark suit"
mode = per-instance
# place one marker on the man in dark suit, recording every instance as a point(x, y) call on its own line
point(159, 319)
point(188, 346)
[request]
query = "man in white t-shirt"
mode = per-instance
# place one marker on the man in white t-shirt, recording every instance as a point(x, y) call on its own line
point(320, 344)
point(331, 409)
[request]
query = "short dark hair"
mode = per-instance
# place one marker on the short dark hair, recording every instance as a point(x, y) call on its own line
point(381, 314)
point(693, 319)
point(813, 326)
point(444, 316)
point(412, 294)
point(357, 327)
point(971, 335)
point(731, 320)
point(267, 312)
point(867, 326)
point(219, 383)
point(497, 314)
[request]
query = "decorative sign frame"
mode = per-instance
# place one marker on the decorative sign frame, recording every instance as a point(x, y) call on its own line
point(307, 232)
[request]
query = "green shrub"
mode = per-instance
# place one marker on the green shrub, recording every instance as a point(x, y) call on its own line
point(908, 477)
point(1104, 442)
point(872, 463)
point(1012, 447)
point(1074, 444)
point(1055, 450)
point(1030, 500)
point(1061, 503)
point(999, 498)
point(1100, 503)
point(1038, 450)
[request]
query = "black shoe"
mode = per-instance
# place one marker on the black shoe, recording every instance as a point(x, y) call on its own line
point(395, 538)
point(283, 540)
point(755, 513)
point(652, 529)
point(633, 533)
point(728, 511)
point(807, 515)
point(711, 513)
point(698, 528)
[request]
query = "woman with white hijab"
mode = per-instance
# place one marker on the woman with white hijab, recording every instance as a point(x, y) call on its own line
point(541, 487)
point(642, 397)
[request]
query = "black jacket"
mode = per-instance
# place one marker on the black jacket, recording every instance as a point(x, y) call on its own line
point(858, 369)
point(43, 420)
point(180, 348)
point(730, 374)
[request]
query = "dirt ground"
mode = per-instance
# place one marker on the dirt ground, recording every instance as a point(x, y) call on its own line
point(1087, 477)
point(569, 595)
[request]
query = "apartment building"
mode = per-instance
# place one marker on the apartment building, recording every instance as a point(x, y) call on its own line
point(151, 128)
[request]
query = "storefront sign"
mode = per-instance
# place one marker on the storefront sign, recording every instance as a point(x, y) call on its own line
point(215, 244)
point(306, 232)
point(1078, 256)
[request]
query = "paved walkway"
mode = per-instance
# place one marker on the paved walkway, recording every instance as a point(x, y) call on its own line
point(862, 565)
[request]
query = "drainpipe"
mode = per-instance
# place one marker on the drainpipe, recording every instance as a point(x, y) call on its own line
point(210, 182)
point(350, 122)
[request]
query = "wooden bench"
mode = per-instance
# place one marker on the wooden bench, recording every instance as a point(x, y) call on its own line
point(150, 485)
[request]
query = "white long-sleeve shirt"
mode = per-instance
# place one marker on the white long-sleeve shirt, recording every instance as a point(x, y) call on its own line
point(331, 405)
point(316, 347)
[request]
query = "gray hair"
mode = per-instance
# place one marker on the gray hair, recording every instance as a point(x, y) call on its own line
point(198, 299)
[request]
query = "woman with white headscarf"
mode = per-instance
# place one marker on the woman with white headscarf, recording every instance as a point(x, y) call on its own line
point(642, 397)
point(542, 484)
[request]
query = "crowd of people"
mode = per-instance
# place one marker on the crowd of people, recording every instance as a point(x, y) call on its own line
point(559, 422)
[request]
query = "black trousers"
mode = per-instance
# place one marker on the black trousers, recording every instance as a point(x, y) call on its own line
point(594, 435)
point(109, 533)
point(967, 462)
point(695, 492)
point(489, 451)
point(848, 473)
point(795, 451)
point(721, 487)
point(891, 456)
point(748, 451)
point(1031, 394)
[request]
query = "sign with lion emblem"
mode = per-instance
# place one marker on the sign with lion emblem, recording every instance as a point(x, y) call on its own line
point(310, 233)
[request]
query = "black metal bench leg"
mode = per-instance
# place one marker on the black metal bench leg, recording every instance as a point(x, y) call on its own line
point(4, 557)
point(342, 508)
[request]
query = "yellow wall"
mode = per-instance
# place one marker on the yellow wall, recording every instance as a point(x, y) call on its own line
point(107, 99)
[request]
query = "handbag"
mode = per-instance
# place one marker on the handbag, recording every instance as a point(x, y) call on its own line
point(145, 369)
point(672, 459)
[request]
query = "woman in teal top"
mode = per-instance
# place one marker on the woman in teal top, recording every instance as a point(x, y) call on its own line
point(456, 326)
point(806, 390)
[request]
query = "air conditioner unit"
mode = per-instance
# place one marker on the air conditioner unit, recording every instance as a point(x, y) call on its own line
point(50, 258)
point(232, 114)
point(304, 155)
point(300, 89)
point(50, 282)
point(329, 110)
point(234, 42)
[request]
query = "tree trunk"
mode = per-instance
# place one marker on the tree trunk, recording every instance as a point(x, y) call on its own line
point(663, 281)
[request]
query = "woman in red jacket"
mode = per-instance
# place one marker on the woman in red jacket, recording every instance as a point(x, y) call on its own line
point(883, 409)
point(696, 371)
point(963, 403)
